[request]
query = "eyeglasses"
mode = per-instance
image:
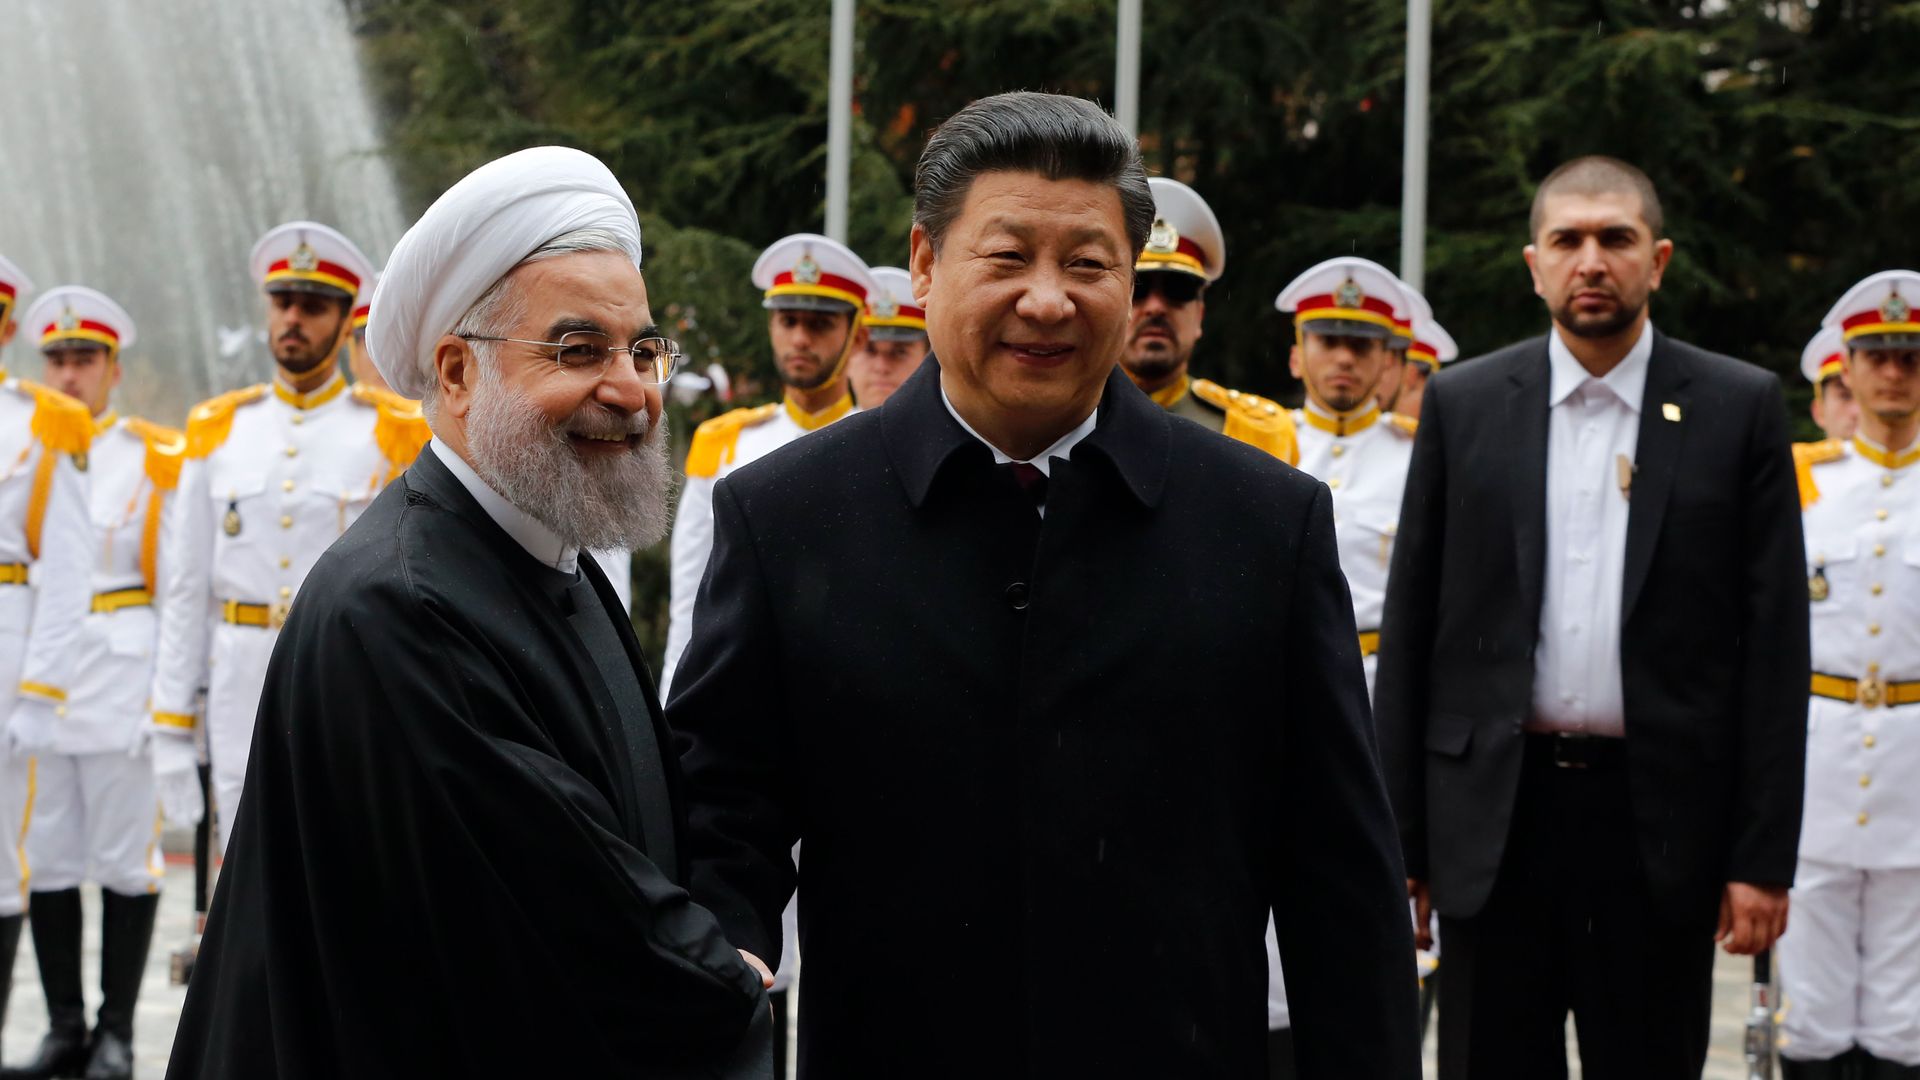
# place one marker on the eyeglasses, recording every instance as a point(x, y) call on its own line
point(1178, 289)
point(588, 353)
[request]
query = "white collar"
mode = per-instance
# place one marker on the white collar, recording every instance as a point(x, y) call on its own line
point(1627, 380)
point(540, 541)
point(1061, 448)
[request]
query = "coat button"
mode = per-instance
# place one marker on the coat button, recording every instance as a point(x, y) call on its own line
point(1869, 742)
point(1017, 596)
point(1862, 819)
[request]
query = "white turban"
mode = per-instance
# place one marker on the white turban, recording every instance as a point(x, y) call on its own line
point(470, 237)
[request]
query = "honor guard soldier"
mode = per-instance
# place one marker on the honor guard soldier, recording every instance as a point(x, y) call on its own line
point(896, 339)
point(1850, 959)
point(1346, 314)
point(1428, 347)
point(359, 361)
point(1834, 409)
point(274, 474)
point(44, 535)
point(1186, 252)
point(815, 291)
point(93, 809)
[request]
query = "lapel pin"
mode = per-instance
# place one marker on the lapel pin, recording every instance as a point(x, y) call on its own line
point(1670, 411)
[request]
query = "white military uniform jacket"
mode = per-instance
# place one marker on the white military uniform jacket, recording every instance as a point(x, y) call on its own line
point(720, 446)
point(1862, 523)
point(133, 466)
point(1363, 458)
point(272, 478)
point(44, 438)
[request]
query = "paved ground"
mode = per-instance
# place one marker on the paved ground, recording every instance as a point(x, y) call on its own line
point(160, 1002)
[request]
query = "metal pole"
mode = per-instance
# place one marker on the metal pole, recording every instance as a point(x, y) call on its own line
point(1413, 185)
point(839, 119)
point(1126, 67)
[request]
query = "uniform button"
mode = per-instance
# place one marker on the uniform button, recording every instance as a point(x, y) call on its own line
point(1876, 588)
point(1334, 484)
point(286, 591)
point(286, 485)
point(1862, 819)
point(293, 451)
point(1868, 742)
point(1865, 780)
point(1886, 479)
point(1338, 450)
point(1879, 551)
point(1873, 629)
point(1017, 596)
point(59, 710)
point(286, 521)
point(1880, 515)
point(285, 562)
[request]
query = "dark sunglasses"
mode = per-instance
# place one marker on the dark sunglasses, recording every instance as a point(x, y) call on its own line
point(1177, 289)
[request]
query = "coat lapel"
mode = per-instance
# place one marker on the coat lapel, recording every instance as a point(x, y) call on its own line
point(1663, 428)
point(1527, 423)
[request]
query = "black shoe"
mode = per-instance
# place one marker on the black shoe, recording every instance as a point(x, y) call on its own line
point(54, 918)
point(126, 930)
point(112, 1057)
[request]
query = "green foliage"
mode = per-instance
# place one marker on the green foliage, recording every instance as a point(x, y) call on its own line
point(1782, 136)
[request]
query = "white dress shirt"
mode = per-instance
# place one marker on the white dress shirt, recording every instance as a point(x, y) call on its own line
point(529, 533)
point(1061, 448)
point(1593, 426)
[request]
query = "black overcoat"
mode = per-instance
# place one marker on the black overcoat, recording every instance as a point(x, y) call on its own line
point(1713, 627)
point(439, 866)
point(1049, 775)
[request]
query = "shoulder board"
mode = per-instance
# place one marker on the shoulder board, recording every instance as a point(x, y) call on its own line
point(1808, 454)
point(1405, 425)
point(399, 427)
point(1253, 420)
point(714, 441)
point(212, 420)
point(166, 450)
point(60, 423)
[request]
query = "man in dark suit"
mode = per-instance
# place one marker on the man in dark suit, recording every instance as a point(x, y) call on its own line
point(934, 643)
point(1592, 689)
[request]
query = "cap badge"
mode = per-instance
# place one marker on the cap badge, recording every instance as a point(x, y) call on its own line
point(884, 305)
point(806, 271)
point(1349, 294)
point(1163, 239)
point(304, 259)
point(69, 321)
point(1896, 309)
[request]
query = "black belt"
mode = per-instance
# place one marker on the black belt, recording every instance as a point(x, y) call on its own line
point(1563, 750)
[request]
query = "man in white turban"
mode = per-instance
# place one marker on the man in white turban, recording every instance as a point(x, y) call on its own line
point(458, 849)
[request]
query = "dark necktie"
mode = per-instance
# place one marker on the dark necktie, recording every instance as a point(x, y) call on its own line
point(1031, 480)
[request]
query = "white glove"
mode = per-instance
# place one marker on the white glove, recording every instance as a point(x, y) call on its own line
point(30, 729)
point(137, 745)
point(176, 779)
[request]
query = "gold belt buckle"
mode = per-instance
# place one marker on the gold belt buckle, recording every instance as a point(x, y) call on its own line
point(277, 614)
point(1873, 692)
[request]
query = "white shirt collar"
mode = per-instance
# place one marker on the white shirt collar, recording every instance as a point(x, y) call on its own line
point(540, 541)
point(1062, 447)
point(1627, 380)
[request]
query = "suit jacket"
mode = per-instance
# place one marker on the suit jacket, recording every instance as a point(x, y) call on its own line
point(1713, 641)
point(1050, 775)
point(441, 863)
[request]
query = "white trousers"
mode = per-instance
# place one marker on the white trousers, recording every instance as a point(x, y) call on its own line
point(95, 818)
point(1850, 964)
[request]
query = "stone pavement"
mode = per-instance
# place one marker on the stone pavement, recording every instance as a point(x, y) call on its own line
point(160, 1002)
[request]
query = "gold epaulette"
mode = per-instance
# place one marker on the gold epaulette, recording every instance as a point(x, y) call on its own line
point(1253, 420)
point(1405, 425)
point(61, 424)
point(714, 441)
point(1808, 454)
point(399, 427)
point(166, 450)
point(211, 421)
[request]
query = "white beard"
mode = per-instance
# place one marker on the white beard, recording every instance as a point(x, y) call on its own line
point(597, 505)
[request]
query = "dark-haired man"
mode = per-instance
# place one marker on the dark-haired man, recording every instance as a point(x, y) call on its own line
point(932, 643)
point(1589, 699)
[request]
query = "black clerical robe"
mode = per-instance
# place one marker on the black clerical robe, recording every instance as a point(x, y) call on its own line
point(448, 859)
